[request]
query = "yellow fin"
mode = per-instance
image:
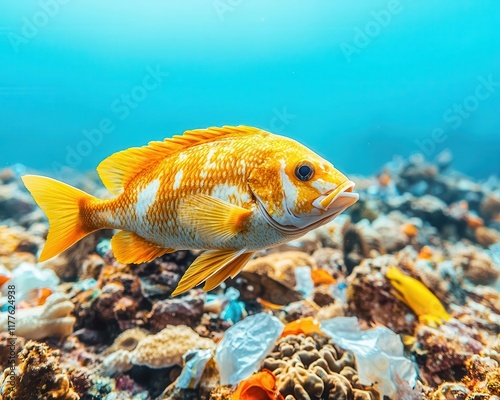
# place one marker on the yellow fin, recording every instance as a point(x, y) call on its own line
point(229, 270)
point(213, 217)
point(119, 169)
point(130, 248)
point(61, 204)
point(205, 266)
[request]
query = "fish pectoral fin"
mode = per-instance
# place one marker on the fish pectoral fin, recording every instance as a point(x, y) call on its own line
point(212, 217)
point(230, 270)
point(208, 264)
point(130, 248)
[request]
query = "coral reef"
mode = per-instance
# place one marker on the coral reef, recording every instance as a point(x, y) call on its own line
point(312, 366)
point(51, 319)
point(39, 376)
point(420, 234)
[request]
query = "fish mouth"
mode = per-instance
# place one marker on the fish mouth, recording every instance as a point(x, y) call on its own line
point(338, 199)
point(332, 203)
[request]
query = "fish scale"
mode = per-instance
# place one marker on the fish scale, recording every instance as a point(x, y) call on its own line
point(230, 190)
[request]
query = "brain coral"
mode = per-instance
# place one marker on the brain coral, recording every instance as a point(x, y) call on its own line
point(312, 365)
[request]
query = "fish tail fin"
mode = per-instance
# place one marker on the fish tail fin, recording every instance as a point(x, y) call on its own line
point(62, 204)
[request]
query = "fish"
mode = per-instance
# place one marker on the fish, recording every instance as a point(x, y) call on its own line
point(230, 191)
point(418, 297)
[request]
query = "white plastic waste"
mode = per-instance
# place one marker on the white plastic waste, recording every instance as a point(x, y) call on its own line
point(193, 369)
point(305, 284)
point(379, 354)
point(245, 345)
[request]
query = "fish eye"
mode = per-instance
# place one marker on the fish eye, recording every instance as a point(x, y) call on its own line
point(304, 171)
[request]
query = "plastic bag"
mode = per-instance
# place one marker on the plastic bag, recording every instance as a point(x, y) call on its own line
point(245, 345)
point(379, 354)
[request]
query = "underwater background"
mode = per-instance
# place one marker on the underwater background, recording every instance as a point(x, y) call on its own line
point(358, 83)
point(397, 298)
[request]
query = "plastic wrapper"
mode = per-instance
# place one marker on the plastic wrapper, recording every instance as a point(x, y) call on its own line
point(379, 354)
point(28, 276)
point(234, 310)
point(195, 362)
point(245, 345)
point(305, 284)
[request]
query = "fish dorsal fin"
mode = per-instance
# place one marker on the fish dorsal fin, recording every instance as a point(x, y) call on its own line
point(119, 169)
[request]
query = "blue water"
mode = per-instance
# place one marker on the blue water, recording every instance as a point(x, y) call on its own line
point(359, 83)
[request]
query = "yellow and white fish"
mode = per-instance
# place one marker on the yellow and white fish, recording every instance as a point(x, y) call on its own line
point(230, 190)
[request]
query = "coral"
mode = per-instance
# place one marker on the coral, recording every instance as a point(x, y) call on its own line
point(307, 326)
point(254, 286)
point(281, 266)
point(369, 298)
point(160, 277)
point(477, 266)
point(483, 375)
point(40, 376)
point(167, 347)
point(323, 295)
point(51, 319)
point(322, 277)
point(117, 304)
point(259, 386)
point(490, 206)
point(481, 381)
point(14, 202)
point(127, 340)
point(312, 366)
point(175, 312)
point(389, 229)
point(17, 246)
point(330, 260)
point(330, 311)
point(15, 239)
point(299, 309)
point(451, 390)
point(353, 245)
point(486, 236)
point(162, 350)
point(445, 349)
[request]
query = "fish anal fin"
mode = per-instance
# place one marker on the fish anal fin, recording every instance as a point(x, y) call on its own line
point(213, 217)
point(119, 169)
point(130, 248)
point(230, 270)
point(205, 266)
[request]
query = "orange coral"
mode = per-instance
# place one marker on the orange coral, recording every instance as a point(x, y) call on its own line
point(409, 230)
point(474, 221)
point(259, 386)
point(320, 277)
point(307, 326)
point(425, 253)
point(384, 179)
